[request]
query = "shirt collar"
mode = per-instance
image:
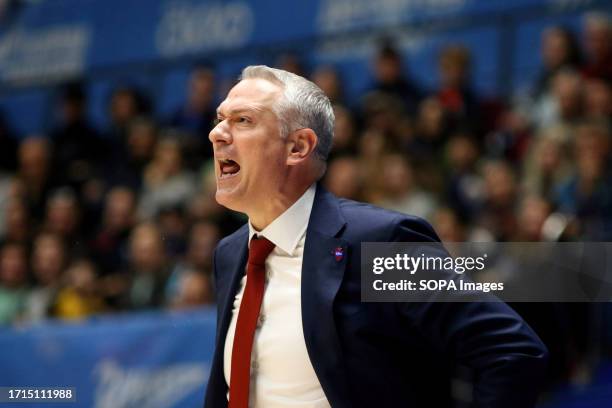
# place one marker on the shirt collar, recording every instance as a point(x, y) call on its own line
point(288, 228)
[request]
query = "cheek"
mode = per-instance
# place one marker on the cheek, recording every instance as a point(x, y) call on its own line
point(264, 157)
point(276, 158)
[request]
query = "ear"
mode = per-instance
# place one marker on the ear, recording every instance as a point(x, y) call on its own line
point(301, 144)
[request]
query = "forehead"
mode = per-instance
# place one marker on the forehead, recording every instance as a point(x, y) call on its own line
point(251, 94)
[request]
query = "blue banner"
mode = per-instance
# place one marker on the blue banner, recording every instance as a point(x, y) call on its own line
point(146, 360)
point(153, 43)
point(56, 39)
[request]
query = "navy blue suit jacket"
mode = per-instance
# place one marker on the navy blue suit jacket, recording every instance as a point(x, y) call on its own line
point(385, 354)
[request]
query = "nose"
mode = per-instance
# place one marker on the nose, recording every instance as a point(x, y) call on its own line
point(220, 134)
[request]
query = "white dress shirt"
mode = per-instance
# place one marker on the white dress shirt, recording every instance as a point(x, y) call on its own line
point(282, 375)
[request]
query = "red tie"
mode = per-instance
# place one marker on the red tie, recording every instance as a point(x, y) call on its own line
point(247, 322)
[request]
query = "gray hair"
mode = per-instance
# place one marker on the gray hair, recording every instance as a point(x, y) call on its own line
point(303, 105)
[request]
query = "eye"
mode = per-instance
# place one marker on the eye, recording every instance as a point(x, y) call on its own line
point(243, 119)
point(216, 121)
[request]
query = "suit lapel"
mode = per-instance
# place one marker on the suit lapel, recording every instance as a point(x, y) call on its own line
point(323, 266)
point(227, 287)
point(230, 285)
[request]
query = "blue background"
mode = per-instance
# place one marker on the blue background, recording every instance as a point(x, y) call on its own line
point(122, 41)
point(139, 360)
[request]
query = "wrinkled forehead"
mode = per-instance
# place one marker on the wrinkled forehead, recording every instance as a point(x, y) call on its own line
point(257, 93)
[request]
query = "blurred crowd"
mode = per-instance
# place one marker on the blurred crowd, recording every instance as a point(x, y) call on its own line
point(106, 220)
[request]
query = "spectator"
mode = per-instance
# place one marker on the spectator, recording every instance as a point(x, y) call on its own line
point(598, 46)
point(381, 113)
point(512, 136)
point(198, 112)
point(389, 78)
point(344, 177)
point(63, 216)
point(79, 297)
point(193, 148)
point(165, 182)
point(328, 79)
point(11, 194)
point(78, 150)
point(173, 226)
point(148, 268)
point(13, 282)
point(464, 186)
point(128, 167)
point(455, 93)
point(432, 131)
point(194, 289)
point(588, 193)
point(34, 173)
point(548, 163)
point(598, 100)
point(532, 214)
point(17, 224)
point(568, 93)
point(126, 103)
point(49, 260)
point(498, 214)
point(372, 148)
point(344, 132)
point(203, 238)
point(109, 246)
point(565, 106)
point(400, 192)
point(559, 50)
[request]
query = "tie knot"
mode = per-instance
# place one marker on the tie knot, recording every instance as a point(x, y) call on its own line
point(259, 250)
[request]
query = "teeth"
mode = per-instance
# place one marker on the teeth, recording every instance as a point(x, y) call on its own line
point(223, 163)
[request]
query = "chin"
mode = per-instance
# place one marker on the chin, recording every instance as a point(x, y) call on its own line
point(223, 198)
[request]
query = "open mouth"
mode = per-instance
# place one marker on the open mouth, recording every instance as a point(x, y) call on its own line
point(229, 168)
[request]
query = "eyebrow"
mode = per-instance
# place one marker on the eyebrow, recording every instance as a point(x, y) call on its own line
point(250, 109)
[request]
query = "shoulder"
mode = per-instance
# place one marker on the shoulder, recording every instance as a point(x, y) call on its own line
point(378, 224)
point(228, 252)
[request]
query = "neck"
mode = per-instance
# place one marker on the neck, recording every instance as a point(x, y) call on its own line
point(279, 203)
